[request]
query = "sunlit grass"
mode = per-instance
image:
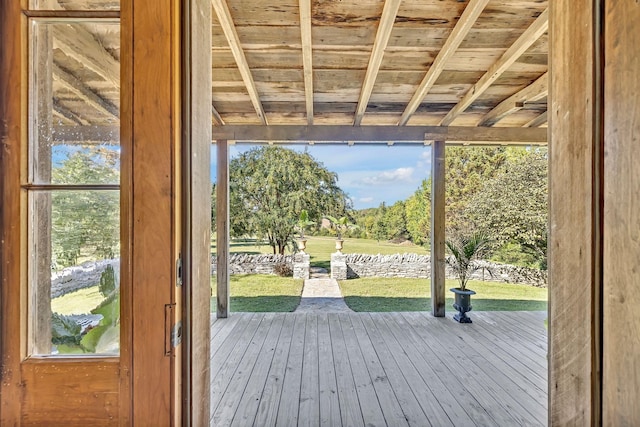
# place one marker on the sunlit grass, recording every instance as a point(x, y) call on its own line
point(81, 301)
point(261, 293)
point(400, 294)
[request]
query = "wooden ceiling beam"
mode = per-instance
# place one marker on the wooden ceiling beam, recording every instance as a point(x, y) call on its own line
point(347, 134)
point(460, 31)
point(381, 134)
point(226, 22)
point(85, 93)
point(538, 121)
point(307, 56)
point(524, 42)
point(385, 26)
point(68, 114)
point(534, 92)
point(79, 44)
point(217, 118)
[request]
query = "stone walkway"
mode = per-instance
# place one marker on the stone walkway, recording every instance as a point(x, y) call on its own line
point(322, 295)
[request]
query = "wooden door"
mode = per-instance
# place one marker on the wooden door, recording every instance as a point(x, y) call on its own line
point(90, 86)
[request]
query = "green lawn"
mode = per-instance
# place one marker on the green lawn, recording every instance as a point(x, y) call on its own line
point(380, 294)
point(261, 293)
point(81, 301)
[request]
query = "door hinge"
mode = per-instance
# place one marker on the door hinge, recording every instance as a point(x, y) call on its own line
point(179, 271)
point(172, 331)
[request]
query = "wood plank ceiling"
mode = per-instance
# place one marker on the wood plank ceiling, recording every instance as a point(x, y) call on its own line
point(449, 63)
point(377, 62)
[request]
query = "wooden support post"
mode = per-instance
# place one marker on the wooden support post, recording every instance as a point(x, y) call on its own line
point(222, 228)
point(437, 228)
point(42, 112)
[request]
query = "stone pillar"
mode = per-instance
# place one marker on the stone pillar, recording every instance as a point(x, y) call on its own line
point(338, 266)
point(301, 263)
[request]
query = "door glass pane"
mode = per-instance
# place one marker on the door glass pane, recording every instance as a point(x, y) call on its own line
point(75, 103)
point(75, 4)
point(74, 269)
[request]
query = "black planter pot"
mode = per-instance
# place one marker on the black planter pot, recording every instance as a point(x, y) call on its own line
point(462, 303)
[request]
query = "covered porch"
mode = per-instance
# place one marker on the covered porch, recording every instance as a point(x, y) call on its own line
point(378, 369)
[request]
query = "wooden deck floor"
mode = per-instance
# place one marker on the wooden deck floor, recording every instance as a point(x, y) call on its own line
point(379, 369)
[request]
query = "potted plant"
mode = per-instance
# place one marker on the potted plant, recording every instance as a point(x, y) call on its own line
point(303, 223)
point(340, 225)
point(465, 250)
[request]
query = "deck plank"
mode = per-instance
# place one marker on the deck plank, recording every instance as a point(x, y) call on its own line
point(486, 385)
point(270, 399)
point(290, 397)
point(387, 399)
point(250, 399)
point(309, 408)
point(225, 411)
point(350, 412)
point(370, 405)
point(327, 385)
point(379, 369)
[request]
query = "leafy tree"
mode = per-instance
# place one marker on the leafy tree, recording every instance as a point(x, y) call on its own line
point(379, 229)
point(213, 208)
point(396, 221)
point(513, 206)
point(467, 169)
point(418, 213)
point(85, 223)
point(270, 186)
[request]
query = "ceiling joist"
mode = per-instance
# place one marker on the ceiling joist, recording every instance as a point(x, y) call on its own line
point(216, 116)
point(385, 26)
point(307, 56)
point(83, 92)
point(229, 29)
point(534, 92)
point(460, 31)
point(524, 42)
point(538, 121)
point(79, 44)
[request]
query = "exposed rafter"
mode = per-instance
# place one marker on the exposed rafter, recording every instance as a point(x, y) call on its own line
point(385, 26)
point(307, 56)
point(68, 114)
point(229, 29)
point(466, 21)
point(77, 43)
point(216, 116)
point(534, 92)
point(538, 121)
point(83, 92)
point(533, 33)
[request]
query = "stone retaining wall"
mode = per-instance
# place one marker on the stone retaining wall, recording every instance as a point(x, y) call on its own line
point(82, 276)
point(419, 266)
point(253, 264)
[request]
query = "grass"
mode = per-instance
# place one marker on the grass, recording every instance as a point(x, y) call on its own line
point(399, 294)
point(262, 293)
point(81, 301)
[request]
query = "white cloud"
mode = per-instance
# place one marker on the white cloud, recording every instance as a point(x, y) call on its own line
point(366, 199)
point(390, 176)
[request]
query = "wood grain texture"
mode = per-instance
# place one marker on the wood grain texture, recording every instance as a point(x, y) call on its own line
point(573, 257)
point(153, 191)
point(621, 327)
point(12, 296)
point(56, 389)
point(393, 369)
point(197, 280)
point(438, 228)
point(223, 294)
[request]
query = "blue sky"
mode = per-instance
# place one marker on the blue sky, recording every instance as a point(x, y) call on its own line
point(369, 174)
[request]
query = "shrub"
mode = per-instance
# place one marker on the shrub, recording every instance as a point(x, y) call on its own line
point(283, 269)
